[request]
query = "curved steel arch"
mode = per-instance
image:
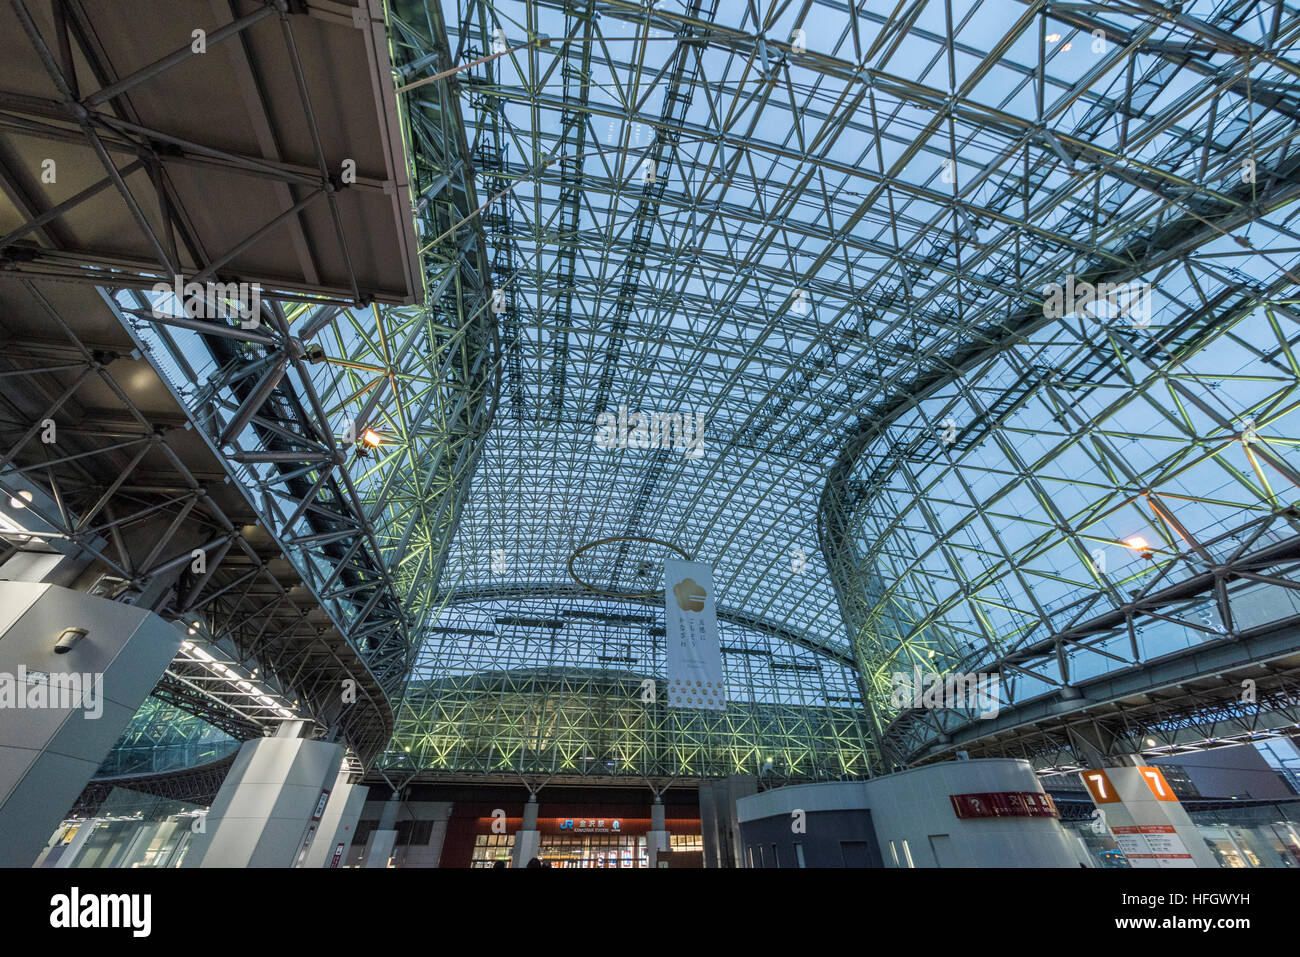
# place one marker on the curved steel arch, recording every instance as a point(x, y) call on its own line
point(563, 589)
point(1240, 683)
point(555, 682)
point(785, 177)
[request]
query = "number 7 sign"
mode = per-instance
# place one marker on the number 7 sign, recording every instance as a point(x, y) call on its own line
point(1099, 786)
point(1158, 785)
point(1103, 790)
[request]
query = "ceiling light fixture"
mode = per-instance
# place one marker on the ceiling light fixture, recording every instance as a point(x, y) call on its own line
point(1141, 546)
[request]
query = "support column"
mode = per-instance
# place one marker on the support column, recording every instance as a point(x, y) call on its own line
point(528, 839)
point(428, 853)
point(61, 713)
point(1147, 820)
point(271, 800)
point(720, 821)
point(379, 845)
point(433, 853)
point(73, 847)
point(658, 839)
point(338, 825)
point(709, 825)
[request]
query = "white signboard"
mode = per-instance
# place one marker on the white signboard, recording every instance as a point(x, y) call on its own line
point(691, 626)
point(1152, 845)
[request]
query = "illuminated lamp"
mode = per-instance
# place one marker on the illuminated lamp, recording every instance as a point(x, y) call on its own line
point(370, 439)
point(1141, 546)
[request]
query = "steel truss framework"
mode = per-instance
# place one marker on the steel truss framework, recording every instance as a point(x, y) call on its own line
point(361, 458)
point(112, 182)
point(986, 512)
point(162, 738)
point(562, 685)
point(333, 615)
point(1210, 690)
point(1199, 716)
point(367, 523)
point(173, 791)
point(102, 470)
point(285, 399)
point(828, 229)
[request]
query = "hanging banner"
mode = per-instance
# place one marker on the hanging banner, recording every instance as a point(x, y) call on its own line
point(691, 627)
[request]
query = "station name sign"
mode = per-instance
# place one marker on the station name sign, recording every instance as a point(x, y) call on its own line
point(1004, 804)
point(602, 825)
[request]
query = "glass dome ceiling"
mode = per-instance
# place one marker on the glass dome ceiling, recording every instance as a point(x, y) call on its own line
point(825, 233)
point(561, 684)
point(810, 223)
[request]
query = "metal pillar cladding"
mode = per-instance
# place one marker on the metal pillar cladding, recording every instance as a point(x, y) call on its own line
point(719, 820)
point(379, 846)
point(62, 711)
point(658, 839)
point(338, 825)
point(528, 838)
point(276, 792)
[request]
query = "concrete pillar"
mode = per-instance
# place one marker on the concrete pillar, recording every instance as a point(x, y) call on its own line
point(657, 840)
point(709, 825)
point(73, 848)
point(438, 836)
point(1146, 819)
point(53, 847)
point(338, 825)
point(62, 713)
point(269, 806)
point(379, 845)
point(720, 821)
point(426, 853)
point(528, 839)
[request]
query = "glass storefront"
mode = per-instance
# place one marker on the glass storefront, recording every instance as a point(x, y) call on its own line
point(594, 850)
point(490, 848)
point(605, 836)
point(1243, 836)
point(1262, 844)
point(1254, 835)
point(127, 829)
point(570, 850)
point(686, 842)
